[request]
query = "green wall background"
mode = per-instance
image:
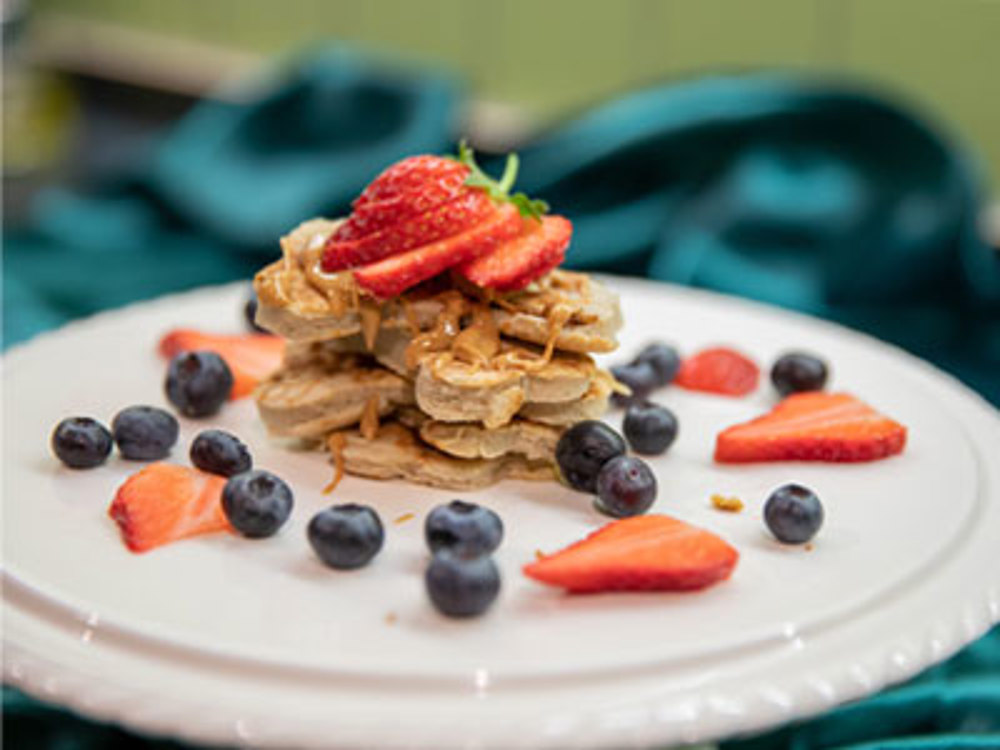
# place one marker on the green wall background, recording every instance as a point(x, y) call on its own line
point(554, 56)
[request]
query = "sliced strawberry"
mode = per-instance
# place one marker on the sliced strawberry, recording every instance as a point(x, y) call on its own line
point(813, 427)
point(468, 209)
point(251, 356)
point(164, 503)
point(718, 370)
point(407, 188)
point(643, 553)
point(540, 247)
point(389, 277)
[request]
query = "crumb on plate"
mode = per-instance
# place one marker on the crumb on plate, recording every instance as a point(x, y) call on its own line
point(730, 504)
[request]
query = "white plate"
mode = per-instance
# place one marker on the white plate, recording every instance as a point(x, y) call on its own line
point(221, 639)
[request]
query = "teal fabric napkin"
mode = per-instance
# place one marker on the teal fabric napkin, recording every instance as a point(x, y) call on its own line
point(805, 194)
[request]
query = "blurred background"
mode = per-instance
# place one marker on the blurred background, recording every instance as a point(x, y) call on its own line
point(87, 80)
point(528, 62)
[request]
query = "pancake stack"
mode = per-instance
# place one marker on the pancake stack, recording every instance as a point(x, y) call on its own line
point(448, 384)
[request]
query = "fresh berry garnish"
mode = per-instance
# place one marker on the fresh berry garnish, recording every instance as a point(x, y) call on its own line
point(797, 372)
point(144, 433)
point(793, 513)
point(408, 188)
point(396, 274)
point(640, 377)
point(814, 426)
point(250, 314)
point(461, 585)
point(164, 503)
point(257, 503)
point(540, 247)
point(664, 360)
point(466, 528)
point(583, 449)
point(198, 383)
point(644, 553)
point(346, 536)
point(649, 428)
point(625, 487)
point(250, 357)
point(220, 452)
point(719, 370)
point(81, 442)
point(446, 220)
point(428, 214)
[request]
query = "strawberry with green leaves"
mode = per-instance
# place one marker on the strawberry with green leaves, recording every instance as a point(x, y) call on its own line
point(427, 214)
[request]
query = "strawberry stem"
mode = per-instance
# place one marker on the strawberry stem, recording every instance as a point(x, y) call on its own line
point(500, 190)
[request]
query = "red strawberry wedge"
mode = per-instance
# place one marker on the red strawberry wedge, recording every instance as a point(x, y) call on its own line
point(164, 503)
point(448, 219)
point(719, 370)
point(643, 553)
point(406, 189)
point(251, 357)
point(540, 247)
point(395, 274)
point(813, 427)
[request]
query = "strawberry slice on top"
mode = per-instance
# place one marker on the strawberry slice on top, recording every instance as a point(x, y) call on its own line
point(405, 189)
point(540, 247)
point(642, 553)
point(397, 273)
point(251, 356)
point(813, 426)
point(445, 220)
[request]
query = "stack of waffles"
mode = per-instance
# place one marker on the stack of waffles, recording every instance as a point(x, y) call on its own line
point(446, 384)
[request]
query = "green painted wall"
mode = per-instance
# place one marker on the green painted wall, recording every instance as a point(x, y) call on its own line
point(554, 56)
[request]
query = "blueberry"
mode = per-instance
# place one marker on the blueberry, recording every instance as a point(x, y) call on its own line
point(664, 360)
point(257, 503)
point(640, 377)
point(198, 383)
point(144, 433)
point(625, 487)
point(464, 527)
point(793, 514)
point(81, 442)
point(220, 452)
point(462, 585)
point(250, 312)
point(649, 428)
point(346, 536)
point(583, 449)
point(797, 371)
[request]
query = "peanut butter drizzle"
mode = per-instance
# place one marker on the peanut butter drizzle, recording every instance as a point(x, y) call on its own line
point(369, 424)
point(558, 317)
point(479, 342)
point(370, 312)
point(336, 443)
point(446, 329)
point(298, 277)
point(411, 316)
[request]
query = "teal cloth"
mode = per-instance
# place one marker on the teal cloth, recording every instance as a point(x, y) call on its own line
point(813, 196)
